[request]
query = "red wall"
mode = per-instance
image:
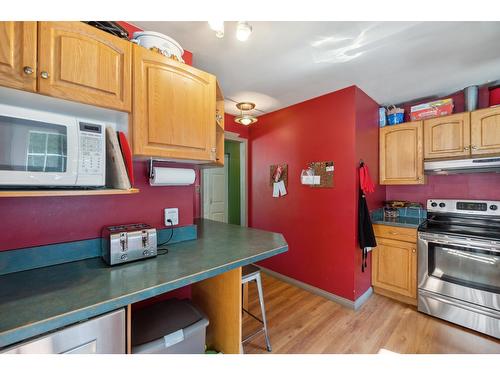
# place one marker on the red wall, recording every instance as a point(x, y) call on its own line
point(231, 126)
point(41, 220)
point(367, 149)
point(468, 186)
point(318, 224)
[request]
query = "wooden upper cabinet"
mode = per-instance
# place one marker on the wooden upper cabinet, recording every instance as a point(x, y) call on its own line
point(401, 154)
point(174, 109)
point(81, 63)
point(447, 136)
point(394, 267)
point(485, 131)
point(18, 55)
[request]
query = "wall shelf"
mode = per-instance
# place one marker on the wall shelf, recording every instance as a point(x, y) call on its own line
point(62, 193)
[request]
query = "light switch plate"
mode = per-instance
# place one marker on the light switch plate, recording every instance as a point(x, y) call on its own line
point(172, 214)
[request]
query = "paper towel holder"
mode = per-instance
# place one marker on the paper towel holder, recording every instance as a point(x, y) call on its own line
point(187, 175)
point(151, 170)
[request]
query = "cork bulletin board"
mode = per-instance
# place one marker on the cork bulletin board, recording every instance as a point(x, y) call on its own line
point(325, 170)
point(284, 174)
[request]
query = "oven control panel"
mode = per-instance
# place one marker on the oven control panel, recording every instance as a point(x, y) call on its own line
point(471, 207)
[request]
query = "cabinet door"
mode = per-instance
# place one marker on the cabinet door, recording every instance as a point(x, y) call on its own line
point(81, 63)
point(447, 136)
point(401, 154)
point(18, 55)
point(394, 267)
point(485, 131)
point(174, 109)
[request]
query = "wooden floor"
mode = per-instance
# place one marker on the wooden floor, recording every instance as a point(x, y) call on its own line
point(301, 322)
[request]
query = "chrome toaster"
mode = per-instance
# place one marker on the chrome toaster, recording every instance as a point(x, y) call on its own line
point(127, 243)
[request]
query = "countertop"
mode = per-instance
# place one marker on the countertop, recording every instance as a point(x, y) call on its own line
point(40, 300)
point(406, 218)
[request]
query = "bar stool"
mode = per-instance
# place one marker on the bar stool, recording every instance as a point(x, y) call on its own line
point(252, 273)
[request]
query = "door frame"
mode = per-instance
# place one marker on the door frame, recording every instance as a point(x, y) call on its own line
point(231, 136)
point(205, 189)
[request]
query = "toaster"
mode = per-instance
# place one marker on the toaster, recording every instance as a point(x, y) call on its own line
point(127, 243)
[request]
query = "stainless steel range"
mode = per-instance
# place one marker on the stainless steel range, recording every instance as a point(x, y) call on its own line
point(459, 263)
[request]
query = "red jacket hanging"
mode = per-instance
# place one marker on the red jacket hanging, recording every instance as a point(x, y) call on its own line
point(365, 181)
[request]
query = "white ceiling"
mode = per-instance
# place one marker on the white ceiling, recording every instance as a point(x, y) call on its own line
point(284, 63)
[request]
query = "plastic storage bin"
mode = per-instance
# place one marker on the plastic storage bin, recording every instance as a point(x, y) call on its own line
point(169, 327)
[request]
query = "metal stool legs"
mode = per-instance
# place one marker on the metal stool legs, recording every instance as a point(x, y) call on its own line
point(256, 277)
point(263, 309)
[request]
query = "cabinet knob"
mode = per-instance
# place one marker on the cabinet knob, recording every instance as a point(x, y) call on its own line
point(413, 250)
point(466, 148)
point(474, 147)
point(44, 74)
point(28, 70)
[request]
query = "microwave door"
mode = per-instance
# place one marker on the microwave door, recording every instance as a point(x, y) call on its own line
point(37, 148)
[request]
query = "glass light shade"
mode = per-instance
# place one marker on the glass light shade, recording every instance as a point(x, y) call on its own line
point(243, 31)
point(246, 119)
point(218, 27)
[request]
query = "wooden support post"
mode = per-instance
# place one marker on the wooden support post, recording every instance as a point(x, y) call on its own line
point(129, 329)
point(220, 299)
point(245, 296)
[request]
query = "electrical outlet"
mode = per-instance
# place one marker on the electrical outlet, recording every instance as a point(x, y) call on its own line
point(172, 214)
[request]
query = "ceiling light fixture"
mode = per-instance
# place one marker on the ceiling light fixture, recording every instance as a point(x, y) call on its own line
point(243, 31)
point(218, 27)
point(245, 118)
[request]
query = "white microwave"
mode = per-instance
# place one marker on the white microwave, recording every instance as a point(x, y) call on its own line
point(44, 149)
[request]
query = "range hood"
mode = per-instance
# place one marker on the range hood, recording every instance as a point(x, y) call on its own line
point(490, 164)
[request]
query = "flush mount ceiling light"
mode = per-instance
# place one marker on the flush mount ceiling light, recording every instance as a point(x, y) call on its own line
point(243, 31)
point(218, 27)
point(245, 118)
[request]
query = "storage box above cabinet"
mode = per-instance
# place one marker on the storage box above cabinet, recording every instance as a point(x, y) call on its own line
point(401, 154)
point(81, 63)
point(173, 113)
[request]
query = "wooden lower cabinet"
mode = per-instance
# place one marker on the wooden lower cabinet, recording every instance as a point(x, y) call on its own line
point(394, 266)
point(401, 154)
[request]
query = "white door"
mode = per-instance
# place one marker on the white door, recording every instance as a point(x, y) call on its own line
point(215, 192)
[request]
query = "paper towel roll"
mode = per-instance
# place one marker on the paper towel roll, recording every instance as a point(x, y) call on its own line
point(172, 177)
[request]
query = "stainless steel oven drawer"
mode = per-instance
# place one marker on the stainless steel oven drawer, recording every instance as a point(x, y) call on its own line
point(104, 334)
point(466, 314)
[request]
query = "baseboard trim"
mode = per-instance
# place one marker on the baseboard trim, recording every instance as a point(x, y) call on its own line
point(354, 305)
point(363, 298)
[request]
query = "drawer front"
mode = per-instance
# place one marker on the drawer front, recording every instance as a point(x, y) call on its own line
point(395, 233)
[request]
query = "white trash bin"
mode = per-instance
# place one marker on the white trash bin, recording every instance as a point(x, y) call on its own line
point(169, 327)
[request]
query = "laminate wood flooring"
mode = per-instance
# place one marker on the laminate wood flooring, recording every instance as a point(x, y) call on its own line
point(302, 322)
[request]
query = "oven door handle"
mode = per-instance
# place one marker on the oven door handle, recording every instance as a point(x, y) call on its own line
point(463, 243)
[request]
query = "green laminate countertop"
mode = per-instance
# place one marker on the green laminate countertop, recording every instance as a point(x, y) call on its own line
point(413, 221)
point(36, 301)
